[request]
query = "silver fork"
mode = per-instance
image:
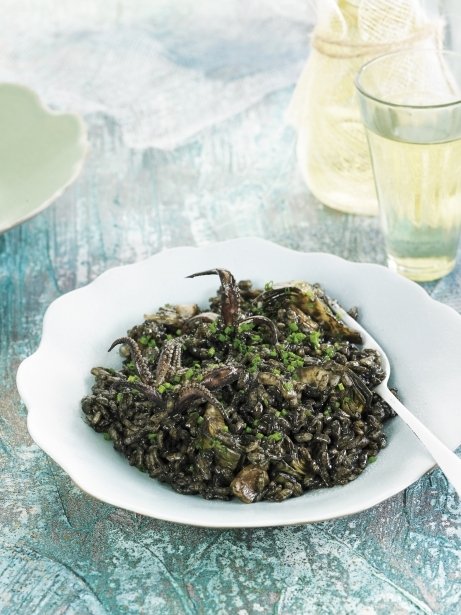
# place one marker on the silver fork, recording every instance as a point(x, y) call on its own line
point(447, 460)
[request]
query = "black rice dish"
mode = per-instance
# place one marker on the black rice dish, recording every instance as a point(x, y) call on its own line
point(263, 396)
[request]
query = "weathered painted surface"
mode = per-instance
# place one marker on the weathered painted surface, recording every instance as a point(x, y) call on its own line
point(63, 552)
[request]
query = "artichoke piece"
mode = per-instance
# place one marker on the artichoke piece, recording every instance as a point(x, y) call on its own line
point(302, 319)
point(213, 421)
point(174, 315)
point(318, 377)
point(186, 310)
point(249, 484)
point(354, 394)
point(203, 465)
point(226, 456)
point(296, 467)
point(313, 302)
point(353, 402)
point(270, 379)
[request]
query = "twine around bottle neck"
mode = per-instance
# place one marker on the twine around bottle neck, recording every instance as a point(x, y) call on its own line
point(334, 48)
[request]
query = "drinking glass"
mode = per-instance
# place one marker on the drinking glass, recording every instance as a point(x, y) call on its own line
point(410, 103)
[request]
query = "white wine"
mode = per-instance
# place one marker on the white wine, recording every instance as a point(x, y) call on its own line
point(419, 191)
point(411, 107)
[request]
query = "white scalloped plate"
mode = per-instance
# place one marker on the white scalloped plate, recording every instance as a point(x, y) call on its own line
point(421, 336)
point(41, 154)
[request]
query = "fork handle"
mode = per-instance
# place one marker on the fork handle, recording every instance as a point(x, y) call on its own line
point(447, 460)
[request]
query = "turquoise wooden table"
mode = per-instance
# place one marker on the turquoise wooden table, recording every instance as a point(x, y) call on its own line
point(184, 105)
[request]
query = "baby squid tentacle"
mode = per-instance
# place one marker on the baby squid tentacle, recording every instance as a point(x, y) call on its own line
point(221, 376)
point(142, 368)
point(203, 317)
point(169, 360)
point(230, 300)
point(151, 393)
point(265, 322)
point(193, 392)
point(140, 363)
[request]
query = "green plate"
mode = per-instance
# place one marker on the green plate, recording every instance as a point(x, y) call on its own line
point(41, 153)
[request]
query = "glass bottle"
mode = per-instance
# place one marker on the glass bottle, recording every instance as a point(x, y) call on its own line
point(331, 147)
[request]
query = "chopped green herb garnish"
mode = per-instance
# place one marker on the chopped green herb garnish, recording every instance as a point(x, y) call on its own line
point(296, 338)
point(245, 327)
point(275, 437)
point(314, 338)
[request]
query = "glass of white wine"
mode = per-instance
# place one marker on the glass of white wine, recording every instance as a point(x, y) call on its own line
point(410, 103)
